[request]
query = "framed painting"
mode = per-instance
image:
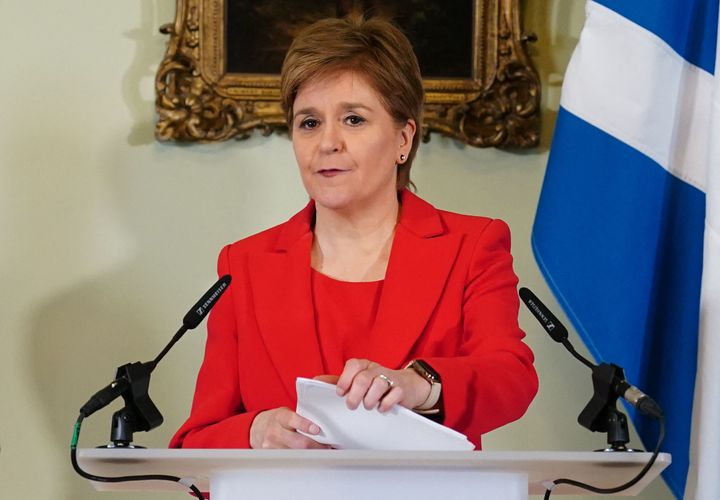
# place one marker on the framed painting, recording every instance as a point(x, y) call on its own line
point(220, 75)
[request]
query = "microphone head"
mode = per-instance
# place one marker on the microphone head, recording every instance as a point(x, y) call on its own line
point(198, 312)
point(547, 319)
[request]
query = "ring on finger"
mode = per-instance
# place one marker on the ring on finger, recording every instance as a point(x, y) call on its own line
point(387, 380)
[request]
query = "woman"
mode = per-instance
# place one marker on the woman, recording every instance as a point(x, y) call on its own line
point(393, 300)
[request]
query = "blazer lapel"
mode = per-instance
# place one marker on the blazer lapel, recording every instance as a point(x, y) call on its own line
point(281, 287)
point(422, 256)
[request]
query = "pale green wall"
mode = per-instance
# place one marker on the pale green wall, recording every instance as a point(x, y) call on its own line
point(107, 237)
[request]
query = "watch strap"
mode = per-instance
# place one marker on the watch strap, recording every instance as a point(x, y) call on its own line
point(431, 405)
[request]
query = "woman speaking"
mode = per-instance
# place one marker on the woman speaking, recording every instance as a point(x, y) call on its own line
point(369, 286)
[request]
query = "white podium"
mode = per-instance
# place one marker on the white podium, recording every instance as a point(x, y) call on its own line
point(361, 474)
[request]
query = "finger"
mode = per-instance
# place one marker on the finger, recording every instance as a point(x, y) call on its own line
point(296, 422)
point(292, 439)
point(393, 397)
point(378, 388)
point(282, 432)
point(360, 385)
point(350, 371)
point(298, 441)
point(328, 379)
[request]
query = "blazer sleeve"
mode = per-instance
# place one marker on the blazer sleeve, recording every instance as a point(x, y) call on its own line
point(218, 418)
point(492, 380)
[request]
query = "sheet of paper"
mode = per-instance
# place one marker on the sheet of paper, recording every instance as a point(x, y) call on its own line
point(397, 429)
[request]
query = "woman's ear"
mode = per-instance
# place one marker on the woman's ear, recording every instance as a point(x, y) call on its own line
point(407, 132)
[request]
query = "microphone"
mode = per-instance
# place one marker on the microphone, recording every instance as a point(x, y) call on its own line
point(132, 382)
point(551, 324)
point(547, 319)
point(198, 312)
point(129, 375)
point(559, 333)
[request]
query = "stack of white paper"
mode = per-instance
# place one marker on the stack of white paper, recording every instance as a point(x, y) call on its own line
point(397, 429)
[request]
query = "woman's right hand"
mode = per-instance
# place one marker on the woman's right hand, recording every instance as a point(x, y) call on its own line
point(278, 429)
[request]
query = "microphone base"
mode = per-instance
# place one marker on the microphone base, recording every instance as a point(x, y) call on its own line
point(619, 450)
point(129, 446)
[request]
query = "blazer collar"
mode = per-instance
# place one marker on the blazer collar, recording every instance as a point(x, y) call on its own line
point(297, 227)
point(419, 217)
point(422, 255)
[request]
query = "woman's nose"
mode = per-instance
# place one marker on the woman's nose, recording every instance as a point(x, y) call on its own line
point(331, 140)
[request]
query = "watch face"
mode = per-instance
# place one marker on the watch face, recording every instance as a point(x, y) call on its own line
point(425, 370)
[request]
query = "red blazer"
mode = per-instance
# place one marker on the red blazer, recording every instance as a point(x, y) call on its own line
point(449, 298)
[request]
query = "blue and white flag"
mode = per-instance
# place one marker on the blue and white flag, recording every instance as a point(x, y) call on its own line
point(630, 199)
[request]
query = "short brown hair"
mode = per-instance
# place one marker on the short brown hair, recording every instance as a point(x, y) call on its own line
point(374, 48)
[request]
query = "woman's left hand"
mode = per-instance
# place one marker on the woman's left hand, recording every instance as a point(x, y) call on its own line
point(373, 385)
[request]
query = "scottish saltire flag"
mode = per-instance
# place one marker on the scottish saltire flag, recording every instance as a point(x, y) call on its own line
point(704, 476)
point(629, 201)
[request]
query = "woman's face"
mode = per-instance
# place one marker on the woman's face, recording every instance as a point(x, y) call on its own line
point(346, 144)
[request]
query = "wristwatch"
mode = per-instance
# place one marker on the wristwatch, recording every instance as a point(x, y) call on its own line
point(431, 406)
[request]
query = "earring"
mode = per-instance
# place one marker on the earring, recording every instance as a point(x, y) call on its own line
point(402, 157)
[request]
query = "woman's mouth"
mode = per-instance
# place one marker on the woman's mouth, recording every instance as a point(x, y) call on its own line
point(331, 172)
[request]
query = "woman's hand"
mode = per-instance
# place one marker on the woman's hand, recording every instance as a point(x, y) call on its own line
point(373, 385)
point(278, 429)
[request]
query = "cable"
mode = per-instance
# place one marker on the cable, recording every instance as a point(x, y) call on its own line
point(121, 479)
point(617, 489)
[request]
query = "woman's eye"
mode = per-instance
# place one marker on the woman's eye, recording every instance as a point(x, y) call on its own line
point(355, 120)
point(309, 123)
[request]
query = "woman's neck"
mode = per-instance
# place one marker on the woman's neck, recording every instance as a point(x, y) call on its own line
point(354, 245)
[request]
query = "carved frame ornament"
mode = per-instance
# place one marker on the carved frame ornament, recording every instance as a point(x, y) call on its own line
point(198, 101)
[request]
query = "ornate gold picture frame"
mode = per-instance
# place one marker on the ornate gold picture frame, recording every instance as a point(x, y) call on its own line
point(496, 102)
